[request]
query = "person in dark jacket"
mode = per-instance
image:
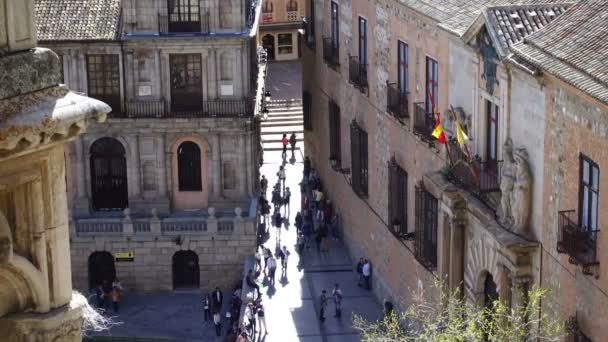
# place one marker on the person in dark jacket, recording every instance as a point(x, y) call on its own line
point(217, 299)
point(299, 222)
point(292, 142)
point(360, 271)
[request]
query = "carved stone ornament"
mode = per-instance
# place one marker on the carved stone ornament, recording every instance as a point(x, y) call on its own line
point(520, 196)
point(507, 180)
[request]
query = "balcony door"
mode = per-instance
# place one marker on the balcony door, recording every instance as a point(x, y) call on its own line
point(335, 29)
point(186, 84)
point(491, 131)
point(184, 15)
point(362, 41)
point(432, 85)
point(588, 194)
point(402, 56)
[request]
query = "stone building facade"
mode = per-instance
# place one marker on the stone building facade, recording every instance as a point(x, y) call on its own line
point(168, 181)
point(484, 217)
point(39, 116)
point(279, 25)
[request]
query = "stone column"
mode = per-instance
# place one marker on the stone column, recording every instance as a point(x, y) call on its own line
point(217, 167)
point(242, 165)
point(81, 191)
point(162, 165)
point(135, 181)
point(519, 289)
point(456, 270)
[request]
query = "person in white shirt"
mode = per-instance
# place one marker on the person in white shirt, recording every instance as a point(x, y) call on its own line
point(272, 267)
point(367, 272)
point(337, 294)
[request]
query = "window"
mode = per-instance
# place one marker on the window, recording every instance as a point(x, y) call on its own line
point(335, 29)
point(307, 108)
point(189, 167)
point(491, 131)
point(108, 175)
point(588, 194)
point(397, 200)
point(285, 43)
point(186, 85)
point(184, 15)
point(268, 7)
point(358, 144)
point(402, 66)
point(103, 79)
point(292, 6)
point(432, 85)
point(312, 18)
point(425, 245)
point(362, 41)
point(334, 135)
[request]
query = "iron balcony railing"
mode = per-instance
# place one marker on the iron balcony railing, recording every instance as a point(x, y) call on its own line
point(331, 52)
point(145, 109)
point(424, 123)
point(178, 23)
point(357, 72)
point(578, 242)
point(397, 102)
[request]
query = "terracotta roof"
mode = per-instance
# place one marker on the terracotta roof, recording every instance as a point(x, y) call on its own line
point(67, 20)
point(573, 48)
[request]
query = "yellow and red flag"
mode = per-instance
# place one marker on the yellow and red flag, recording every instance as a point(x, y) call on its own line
point(438, 131)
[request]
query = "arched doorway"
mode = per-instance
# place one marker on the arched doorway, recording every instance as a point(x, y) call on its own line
point(185, 270)
point(189, 167)
point(268, 45)
point(101, 269)
point(108, 175)
point(490, 295)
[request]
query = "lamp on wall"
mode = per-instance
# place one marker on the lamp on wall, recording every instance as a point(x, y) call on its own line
point(267, 96)
point(265, 113)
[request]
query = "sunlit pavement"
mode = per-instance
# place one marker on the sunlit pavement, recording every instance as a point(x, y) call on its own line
point(292, 306)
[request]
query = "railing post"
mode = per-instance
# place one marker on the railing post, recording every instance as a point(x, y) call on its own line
point(211, 221)
point(155, 225)
point(239, 223)
point(127, 223)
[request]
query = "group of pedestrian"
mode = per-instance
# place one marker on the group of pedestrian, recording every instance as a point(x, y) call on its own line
point(336, 294)
point(212, 307)
point(107, 292)
point(291, 141)
point(364, 270)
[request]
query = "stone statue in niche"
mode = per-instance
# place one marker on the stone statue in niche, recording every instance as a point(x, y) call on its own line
point(507, 179)
point(520, 196)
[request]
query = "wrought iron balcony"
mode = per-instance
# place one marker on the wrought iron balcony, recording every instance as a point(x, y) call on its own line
point(331, 53)
point(145, 109)
point(578, 242)
point(309, 33)
point(397, 102)
point(182, 23)
point(357, 72)
point(424, 123)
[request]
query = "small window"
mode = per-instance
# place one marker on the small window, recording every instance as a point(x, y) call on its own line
point(589, 195)
point(103, 78)
point(335, 30)
point(285, 43)
point(335, 155)
point(189, 167)
point(426, 218)
point(362, 41)
point(268, 7)
point(359, 167)
point(432, 85)
point(292, 6)
point(397, 200)
point(402, 67)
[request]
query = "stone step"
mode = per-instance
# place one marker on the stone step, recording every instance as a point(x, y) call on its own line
point(283, 119)
point(285, 112)
point(283, 129)
point(273, 139)
point(279, 147)
point(282, 123)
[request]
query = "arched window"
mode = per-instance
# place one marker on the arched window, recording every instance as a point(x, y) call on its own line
point(292, 6)
point(108, 175)
point(268, 7)
point(189, 167)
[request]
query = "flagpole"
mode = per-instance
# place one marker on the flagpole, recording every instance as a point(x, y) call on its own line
point(466, 149)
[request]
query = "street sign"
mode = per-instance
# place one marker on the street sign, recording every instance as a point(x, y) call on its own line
point(124, 256)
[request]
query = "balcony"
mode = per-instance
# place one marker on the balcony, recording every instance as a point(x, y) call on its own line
point(424, 123)
point(397, 103)
point(238, 108)
point(145, 109)
point(183, 23)
point(308, 35)
point(576, 241)
point(357, 73)
point(331, 53)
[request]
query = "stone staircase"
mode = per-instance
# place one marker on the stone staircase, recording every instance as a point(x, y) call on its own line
point(285, 116)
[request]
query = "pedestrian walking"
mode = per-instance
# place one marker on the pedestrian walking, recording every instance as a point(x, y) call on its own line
point(217, 320)
point(367, 273)
point(300, 242)
point(286, 199)
point(323, 305)
point(285, 141)
point(263, 185)
point(307, 230)
point(272, 268)
point(292, 142)
point(116, 294)
point(259, 308)
point(284, 257)
point(299, 222)
point(250, 280)
point(360, 271)
point(307, 166)
point(250, 315)
point(281, 175)
point(267, 254)
point(243, 337)
point(217, 299)
point(207, 307)
point(337, 294)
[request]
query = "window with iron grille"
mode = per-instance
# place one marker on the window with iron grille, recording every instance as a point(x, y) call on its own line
point(103, 79)
point(432, 84)
point(186, 85)
point(189, 167)
point(184, 15)
point(334, 135)
point(426, 217)
point(307, 108)
point(358, 145)
point(397, 200)
point(588, 195)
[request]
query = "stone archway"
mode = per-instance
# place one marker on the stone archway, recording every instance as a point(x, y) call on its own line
point(482, 260)
point(102, 270)
point(186, 272)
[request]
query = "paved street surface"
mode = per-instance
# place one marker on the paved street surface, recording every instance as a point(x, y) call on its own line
point(292, 305)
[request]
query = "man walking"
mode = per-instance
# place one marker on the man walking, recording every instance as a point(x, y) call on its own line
point(264, 185)
point(272, 268)
point(207, 307)
point(217, 299)
point(323, 305)
point(281, 175)
point(250, 280)
point(259, 308)
point(284, 256)
point(286, 199)
point(292, 142)
point(367, 273)
point(337, 294)
point(360, 271)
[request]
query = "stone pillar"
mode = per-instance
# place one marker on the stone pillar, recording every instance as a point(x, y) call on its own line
point(242, 165)
point(155, 225)
point(135, 179)
point(217, 167)
point(81, 202)
point(249, 166)
point(212, 74)
point(519, 289)
point(127, 223)
point(211, 221)
point(162, 165)
point(456, 270)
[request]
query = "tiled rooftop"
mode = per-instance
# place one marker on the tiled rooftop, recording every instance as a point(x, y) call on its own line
point(69, 20)
point(573, 47)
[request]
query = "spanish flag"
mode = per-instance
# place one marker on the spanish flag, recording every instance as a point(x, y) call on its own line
point(438, 131)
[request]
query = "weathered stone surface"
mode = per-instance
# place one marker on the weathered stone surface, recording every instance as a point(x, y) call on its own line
point(28, 71)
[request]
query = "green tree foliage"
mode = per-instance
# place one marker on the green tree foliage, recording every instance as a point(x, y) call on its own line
point(447, 317)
